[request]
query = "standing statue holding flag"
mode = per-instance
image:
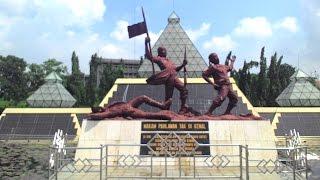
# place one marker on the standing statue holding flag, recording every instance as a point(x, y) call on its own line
point(168, 75)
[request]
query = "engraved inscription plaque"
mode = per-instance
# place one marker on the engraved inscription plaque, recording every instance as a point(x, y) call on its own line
point(174, 138)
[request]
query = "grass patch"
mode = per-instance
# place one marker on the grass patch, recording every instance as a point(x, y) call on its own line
point(25, 160)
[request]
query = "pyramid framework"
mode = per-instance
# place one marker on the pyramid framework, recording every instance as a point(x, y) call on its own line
point(300, 92)
point(51, 94)
point(175, 40)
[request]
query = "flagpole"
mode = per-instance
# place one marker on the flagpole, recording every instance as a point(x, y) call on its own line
point(145, 22)
point(184, 68)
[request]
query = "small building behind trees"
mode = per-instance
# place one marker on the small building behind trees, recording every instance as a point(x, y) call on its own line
point(130, 66)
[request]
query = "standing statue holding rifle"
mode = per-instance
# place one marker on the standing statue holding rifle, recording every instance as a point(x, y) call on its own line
point(221, 82)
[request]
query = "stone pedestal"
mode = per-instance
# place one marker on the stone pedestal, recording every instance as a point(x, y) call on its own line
point(254, 133)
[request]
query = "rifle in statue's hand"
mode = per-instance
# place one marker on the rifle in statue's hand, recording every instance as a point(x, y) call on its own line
point(228, 58)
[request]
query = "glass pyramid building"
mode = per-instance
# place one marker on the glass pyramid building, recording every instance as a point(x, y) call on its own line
point(175, 39)
point(51, 94)
point(300, 92)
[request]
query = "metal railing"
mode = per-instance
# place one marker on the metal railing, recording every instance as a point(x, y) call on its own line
point(9, 137)
point(115, 161)
point(109, 165)
point(290, 163)
point(238, 165)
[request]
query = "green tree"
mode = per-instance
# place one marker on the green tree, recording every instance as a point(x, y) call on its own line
point(53, 65)
point(273, 75)
point(75, 64)
point(244, 79)
point(36, 76)
point(76, 82)
point(13, 79)
point(109, 76)
point(91, 84)
point(95, 93)
point(264, 87)
point(263, 81)
point(285, 72)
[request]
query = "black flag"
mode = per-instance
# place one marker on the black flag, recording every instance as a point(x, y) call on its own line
point(137, 29)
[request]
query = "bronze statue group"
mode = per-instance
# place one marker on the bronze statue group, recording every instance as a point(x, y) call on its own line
point(168, 77)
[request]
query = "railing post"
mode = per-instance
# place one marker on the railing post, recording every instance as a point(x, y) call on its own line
point(294, 164)
point(49, 162)
point(49, 167)
point(151, 164)
point(166, 166)
point(306, 159)
point(247, 162)
point(194, 165)
point(55, 164)
point(101, 149)
point(240, 160)
point(106, 161)
point(179, 164)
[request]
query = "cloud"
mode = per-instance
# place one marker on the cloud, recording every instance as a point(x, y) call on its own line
point(120, 33)
point(258, 27)
point(70, 33)
point(37, 30)
point(318, 13)
point(70, 12)
point(288, 23)
point(194, 35)
point(155, 36)
point(220, 44)
point(13, 7)
point(311, 27)
point(93, 37)
point(139, 40)
point(122, 46)
point(85, 10)
point(111, 50)
point(6, 24)
point(58, 12)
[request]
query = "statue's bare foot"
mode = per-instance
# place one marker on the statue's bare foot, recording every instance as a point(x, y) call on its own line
point(193, 111)
point(183, 110)
point(167, 104)
point(94, 117)
point(97, 109)
point(246, 115)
